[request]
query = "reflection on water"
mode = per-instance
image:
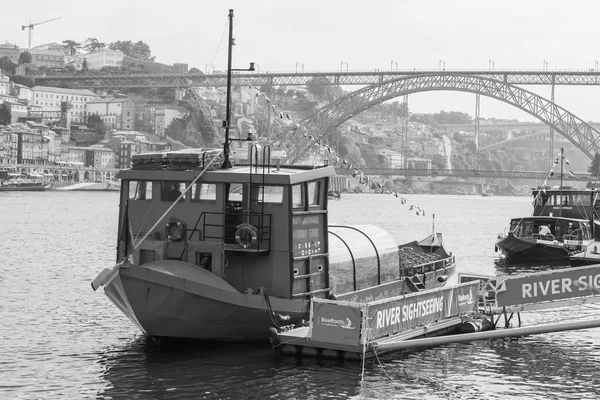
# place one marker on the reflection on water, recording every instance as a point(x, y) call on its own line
point(218, 371)
point(510, 268)
point(62, 340)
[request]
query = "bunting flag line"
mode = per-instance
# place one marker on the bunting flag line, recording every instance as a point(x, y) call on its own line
point(297, 128)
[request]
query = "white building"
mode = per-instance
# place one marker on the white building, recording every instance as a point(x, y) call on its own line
point(50, 99)
point(4, 84)
point(103, 58)
point(47, 58)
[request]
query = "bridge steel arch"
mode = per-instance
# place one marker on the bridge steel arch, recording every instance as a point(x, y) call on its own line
point(581, 134)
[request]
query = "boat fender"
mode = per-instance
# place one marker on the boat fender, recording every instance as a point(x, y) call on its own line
point(175, 230)
point(442, 278)
point(470, 326)
point(246, 235)
point(274, 337)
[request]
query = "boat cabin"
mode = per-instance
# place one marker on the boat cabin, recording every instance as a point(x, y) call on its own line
point(554, 229)
point(253, 226)
point(565, 201)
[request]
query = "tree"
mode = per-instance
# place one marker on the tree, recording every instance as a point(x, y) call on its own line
point(5, 116)
point(72, 46)
point(92, 44)
point(194, 70)
point(139, 50)
point(24, 57)
point(84, 65)
point(94, 122)
point(594, 168)
point(7, 65)
point(320, 87)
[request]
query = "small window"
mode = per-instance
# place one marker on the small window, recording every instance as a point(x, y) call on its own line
point(143, 191)
point(171, 191)
point(147, 256)
point(314, 189)
point(270, 194)
point(133, 190)
point(235, 192)
point(298, 196)
point(204, 191)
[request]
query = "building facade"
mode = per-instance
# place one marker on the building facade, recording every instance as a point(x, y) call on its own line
point(116, 112)
point(11, 51)
point(103, 58)
point(47, 58)
point(51, 98)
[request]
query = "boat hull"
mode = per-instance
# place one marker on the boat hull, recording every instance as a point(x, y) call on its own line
point(23, 188)
point(519, 249)
point(177, 300)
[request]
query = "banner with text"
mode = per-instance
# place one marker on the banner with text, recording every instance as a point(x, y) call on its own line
point(389, 317)
point(551, 285)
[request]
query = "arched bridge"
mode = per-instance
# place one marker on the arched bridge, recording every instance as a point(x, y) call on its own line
point(581, 134)
point(117, 81)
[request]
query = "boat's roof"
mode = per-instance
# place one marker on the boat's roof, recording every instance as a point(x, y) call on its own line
point(549, 218)
point(285, 175)
point(563, 190)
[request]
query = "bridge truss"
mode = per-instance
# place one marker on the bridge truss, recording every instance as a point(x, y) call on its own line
point(302, 79)
point(468, 173)
point(577, 131)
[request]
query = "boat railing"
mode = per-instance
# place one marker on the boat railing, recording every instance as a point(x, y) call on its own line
point(429, 266)
point(251, 235)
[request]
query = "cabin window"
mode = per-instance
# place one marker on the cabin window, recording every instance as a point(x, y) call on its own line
point(235, 192)
point(270, 194)
point(584, 200)
point(298, 196)
point(143, 191)
point(204, 260)
point(204, 192)
point(314, 193)
point(171, 191)
point(147, 256)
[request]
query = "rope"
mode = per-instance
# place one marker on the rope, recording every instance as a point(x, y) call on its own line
point(175, 202)
point(271, 313)
point(219, 45)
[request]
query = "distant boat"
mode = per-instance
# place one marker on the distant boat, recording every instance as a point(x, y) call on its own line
point(23, 185)
point(93, 187)
point(334, 195)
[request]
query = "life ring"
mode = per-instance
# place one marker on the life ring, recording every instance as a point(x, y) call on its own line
point(175, 230)
point(246, 235)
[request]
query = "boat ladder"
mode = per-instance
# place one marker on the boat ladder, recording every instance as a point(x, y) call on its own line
point(415, 283)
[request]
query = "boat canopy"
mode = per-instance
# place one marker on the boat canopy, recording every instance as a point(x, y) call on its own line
point(360, 255)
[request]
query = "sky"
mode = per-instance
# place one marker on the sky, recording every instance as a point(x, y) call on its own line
point(331, 35)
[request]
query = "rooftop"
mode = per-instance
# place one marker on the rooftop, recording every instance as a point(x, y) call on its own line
point(82, 92)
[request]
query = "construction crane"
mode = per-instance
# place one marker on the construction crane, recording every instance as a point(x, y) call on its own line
point(30, 27)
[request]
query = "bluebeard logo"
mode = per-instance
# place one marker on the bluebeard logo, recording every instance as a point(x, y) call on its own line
point(465, 298)
point(340, 323)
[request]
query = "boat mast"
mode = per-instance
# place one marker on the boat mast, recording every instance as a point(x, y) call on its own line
point(226, 162)
point(227, 122)
point(562, 157)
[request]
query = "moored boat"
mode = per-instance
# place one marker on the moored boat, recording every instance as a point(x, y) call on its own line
point(242, 247)
point(564, 221)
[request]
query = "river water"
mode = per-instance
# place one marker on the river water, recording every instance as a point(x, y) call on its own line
point(60, 339)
